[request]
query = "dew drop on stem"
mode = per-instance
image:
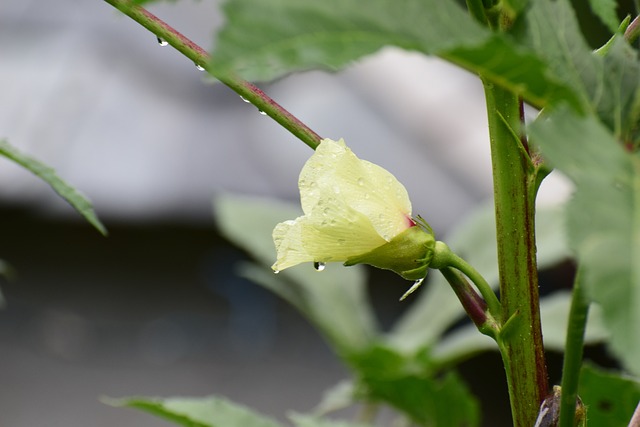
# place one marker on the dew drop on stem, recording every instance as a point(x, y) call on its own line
point(262, 112)
point(244, 99)
point(199, 67)
point(319, 266)
point(162, 42)
point(276, 271)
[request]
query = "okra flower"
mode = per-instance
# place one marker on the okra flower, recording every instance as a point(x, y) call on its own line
point(355, 212)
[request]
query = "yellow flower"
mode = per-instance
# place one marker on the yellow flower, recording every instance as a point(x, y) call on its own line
point(354, 212)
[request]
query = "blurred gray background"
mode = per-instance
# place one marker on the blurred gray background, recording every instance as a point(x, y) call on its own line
point(155, 308)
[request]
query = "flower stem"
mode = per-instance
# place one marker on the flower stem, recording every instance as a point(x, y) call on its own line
point(573, 353)
point(444, 257)
point(514, 183)
point(201, 58)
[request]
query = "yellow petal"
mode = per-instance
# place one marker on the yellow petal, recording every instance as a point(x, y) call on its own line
point(287, 237)
point(335, 232)
point(334, 171)
point(330, 233)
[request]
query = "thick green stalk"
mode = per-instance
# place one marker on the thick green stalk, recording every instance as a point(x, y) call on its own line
point(573, 354)
point(201, 58)
point(514, 182)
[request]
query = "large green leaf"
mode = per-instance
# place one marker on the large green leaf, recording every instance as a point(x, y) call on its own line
point(409, 384)
point(603, 219)
point(608, 85)
point(610, 397)
point(606, 11)
point(266, 39)
point(48, 175)
point(334, 300)
point(437, 308)
point(197, 412)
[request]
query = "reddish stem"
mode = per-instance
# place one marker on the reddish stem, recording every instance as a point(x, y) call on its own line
point(200, 57)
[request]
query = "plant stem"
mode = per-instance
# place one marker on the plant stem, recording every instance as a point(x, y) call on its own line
point(475, 306)
point(573, 353)
point(514, 182)
point(201, 58)
point(633, 30)
point(635, 419)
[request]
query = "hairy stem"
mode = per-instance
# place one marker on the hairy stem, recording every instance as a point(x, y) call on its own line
point(573, 353)
point(201, 58)
point(514, 182)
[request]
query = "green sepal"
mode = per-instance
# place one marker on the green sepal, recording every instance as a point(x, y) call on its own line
point(408, 254)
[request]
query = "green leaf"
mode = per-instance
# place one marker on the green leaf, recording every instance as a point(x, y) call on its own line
point(437, 308)
point(340, 396)
point(196, 412)
point(606, 11)
point(334, 300)
point(553, 32)
point(608, 85)
point(410, 385)
point(48, 175)
point(301, 420)
point(270, 38)
point(610, 397)
point(603, 219)
point(554, 312)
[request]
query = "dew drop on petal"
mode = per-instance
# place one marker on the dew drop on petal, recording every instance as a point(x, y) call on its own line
point(162, 42)
point(276, 271)
point(199, 67)
point(360, 182)
point(319, 266)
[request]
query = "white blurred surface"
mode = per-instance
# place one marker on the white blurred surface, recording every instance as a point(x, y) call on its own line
point(134, 127)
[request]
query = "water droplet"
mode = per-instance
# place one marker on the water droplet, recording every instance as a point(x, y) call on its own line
point(199, 67)
point(162, 42)
point(262, 112)
point(276, 271)
point(245, 99)
point(319, 266)
point(336, 189)
point(360, 181)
